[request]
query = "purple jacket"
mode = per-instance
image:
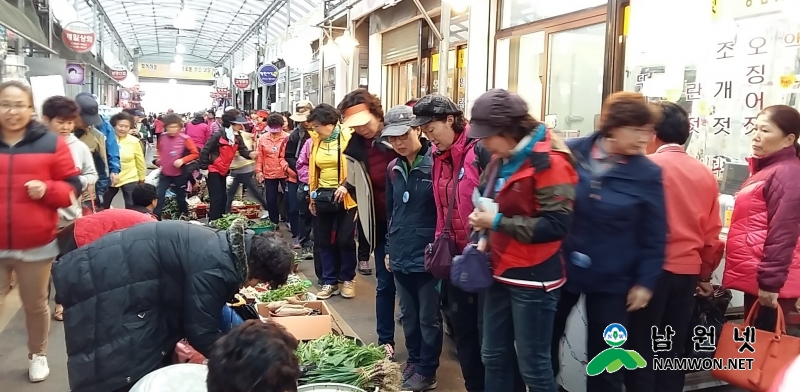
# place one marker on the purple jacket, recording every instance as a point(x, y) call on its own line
point(302, 162)
point(443, 176)
point(199, 132)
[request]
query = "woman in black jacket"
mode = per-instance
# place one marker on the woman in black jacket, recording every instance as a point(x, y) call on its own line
point(168, 281)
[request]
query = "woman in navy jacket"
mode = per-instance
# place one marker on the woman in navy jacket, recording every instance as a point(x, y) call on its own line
point(615, 250)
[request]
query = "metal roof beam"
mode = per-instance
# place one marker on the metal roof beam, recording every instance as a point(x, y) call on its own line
point(110, 26)
point(253, 29)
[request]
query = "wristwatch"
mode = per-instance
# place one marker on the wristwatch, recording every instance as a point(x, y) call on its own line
point(704, 280)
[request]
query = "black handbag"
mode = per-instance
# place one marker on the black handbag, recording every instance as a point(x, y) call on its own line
point(325, 198)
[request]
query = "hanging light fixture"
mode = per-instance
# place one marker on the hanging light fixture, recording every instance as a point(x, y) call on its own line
point(180, 49)
point(178, 59)
point(184, 20)
point(346, 42)
point(175, 67)
point(173, 81)
point(458, 6)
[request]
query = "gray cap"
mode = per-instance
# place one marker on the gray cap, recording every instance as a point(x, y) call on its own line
point(495, 110)
point(397, 121)
point(239, 120)
point(432, 106)
point(90, 110)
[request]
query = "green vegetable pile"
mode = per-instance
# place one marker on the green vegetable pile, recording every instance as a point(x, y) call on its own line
point(224, 223)
point(260, 224)
point(171, 208)
point(339, 359)
point(287, 290)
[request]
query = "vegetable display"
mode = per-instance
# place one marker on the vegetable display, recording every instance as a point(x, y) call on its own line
point(171, 208)
point(285, 291)
point(224, 223)
point(260, 224)
point(339, 359)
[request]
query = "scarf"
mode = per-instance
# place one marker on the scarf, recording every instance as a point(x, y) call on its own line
point(229, 134)
point(275, 130)
point(334, 135)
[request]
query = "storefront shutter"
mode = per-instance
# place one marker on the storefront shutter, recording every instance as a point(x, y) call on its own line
point(400, 44)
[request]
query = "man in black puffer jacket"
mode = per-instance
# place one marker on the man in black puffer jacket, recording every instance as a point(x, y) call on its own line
point(130, 296)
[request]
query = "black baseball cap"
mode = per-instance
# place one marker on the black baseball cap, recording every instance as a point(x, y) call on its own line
point(90, 110)
point(431, 106)
point(494, 111)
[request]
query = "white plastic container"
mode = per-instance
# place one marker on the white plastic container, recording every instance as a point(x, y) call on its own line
point(14, 68)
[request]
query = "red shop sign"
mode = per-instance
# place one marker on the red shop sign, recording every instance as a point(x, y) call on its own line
point(222, 90)
point(78, 36)
point(119, 72)
point(241, 81)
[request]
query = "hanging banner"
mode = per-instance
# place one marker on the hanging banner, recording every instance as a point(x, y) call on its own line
point(75, 73)
point(185, 72)
point(119, 72)
point(78, 36)
point(241, 81)
point(268, 74)
point(223, 91)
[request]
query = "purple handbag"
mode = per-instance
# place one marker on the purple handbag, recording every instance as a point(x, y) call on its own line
point(439, 254)
point(472, 271)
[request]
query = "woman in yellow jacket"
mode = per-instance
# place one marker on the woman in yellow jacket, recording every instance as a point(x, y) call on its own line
point(331, 203)
point(131, 158)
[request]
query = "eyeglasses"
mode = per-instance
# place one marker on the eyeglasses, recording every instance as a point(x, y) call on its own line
point(7, 107)
point(402, 137)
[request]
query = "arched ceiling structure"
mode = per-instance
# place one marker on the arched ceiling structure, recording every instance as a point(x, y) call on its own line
point(147, 27)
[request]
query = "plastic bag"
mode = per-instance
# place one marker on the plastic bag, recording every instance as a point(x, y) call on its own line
point(708, 312)
point(152, 177)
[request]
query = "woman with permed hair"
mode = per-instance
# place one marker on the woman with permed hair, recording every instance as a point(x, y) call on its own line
point(367, 159)
point(171, 280)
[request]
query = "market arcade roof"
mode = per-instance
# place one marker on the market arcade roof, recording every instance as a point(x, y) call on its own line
point(218, 25)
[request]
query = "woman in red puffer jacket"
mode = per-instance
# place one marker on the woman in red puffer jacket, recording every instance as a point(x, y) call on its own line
point(763, 257)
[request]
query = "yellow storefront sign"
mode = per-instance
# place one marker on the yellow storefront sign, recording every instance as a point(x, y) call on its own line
point(458, 58)
point(186, 72)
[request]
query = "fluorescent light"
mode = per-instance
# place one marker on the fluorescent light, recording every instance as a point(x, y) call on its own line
point(178, 59)
point(180, 49)
point(458, 6)
point(173, 81)
point(175, 67)
point(346, 42)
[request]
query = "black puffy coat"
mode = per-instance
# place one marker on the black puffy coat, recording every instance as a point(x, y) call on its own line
point(130, 296)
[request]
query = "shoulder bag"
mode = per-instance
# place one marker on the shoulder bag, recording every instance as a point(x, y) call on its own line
point(325, 198)
point(472, 270)
point(439, 254)
point(771, 352)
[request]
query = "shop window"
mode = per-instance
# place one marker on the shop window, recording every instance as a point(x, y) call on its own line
point(575, 79)
point(329, 86)
point(519, 12)
point(456, 75)
point(402, 83)
point(294, 90)
point(311, 86)
point(519, 68)
point(744, 57)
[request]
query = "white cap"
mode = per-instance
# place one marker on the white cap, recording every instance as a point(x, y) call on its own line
point(185, 377)
point(219, 114)
point(229, 108)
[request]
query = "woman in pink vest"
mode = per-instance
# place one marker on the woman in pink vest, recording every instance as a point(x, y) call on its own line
point(763, 257)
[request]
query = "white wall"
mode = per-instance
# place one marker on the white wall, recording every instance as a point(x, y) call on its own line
point(182, 98)
point(482, 16)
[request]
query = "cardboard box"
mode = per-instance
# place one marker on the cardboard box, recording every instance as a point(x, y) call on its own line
point(303, 327)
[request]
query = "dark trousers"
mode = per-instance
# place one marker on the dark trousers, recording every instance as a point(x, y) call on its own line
point(178, 186)
point(249, 182)
point(127, 193)
point(602, 309)
point(304, 216)
point(217, 195)
point(465, 312)
point(518, 320)
point(290, 196)
point(672, 305)
point(271, 192)
point(422, 321)
point(363, 245)
point(384, 291)
point(334, 233)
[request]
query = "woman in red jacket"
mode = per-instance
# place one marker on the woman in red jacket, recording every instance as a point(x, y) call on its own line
point(38, 177)
point(763, 259)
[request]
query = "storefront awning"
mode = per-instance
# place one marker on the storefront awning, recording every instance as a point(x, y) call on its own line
point(15, 20)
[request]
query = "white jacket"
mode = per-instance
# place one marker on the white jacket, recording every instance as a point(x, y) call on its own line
point(85, 163)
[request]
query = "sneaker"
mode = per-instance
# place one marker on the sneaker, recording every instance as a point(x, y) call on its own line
point(37, 368)
point(408, 371)
point(307, 253)
point(419, 383)
point(264, 215)
point(328, 291)
point(295, 243)
point(364, 268)
point(349, 289)
point(389, 349)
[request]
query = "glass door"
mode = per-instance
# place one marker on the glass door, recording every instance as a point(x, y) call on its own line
point(575, 79)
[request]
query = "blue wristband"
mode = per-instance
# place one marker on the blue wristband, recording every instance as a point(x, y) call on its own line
point(496, 222)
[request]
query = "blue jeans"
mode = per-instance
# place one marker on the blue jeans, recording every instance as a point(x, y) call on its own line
point(229, 320)
point(522, 317)
point(384, 292)
point(422, 321)
point(291, 206)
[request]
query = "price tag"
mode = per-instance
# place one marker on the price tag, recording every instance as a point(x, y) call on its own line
point(788, 80)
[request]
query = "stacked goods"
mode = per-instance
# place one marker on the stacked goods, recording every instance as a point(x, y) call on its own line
point(339, 359)
point(259, 226)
